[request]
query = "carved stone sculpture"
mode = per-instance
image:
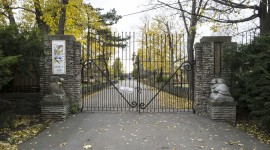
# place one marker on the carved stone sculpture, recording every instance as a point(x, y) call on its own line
point(55, 86)
point(220, 92)
point(56, 92)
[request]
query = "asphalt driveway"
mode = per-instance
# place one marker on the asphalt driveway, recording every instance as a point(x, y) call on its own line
point(144, 131)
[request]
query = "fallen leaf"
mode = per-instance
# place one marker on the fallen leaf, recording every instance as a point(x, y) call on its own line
point(87, 147)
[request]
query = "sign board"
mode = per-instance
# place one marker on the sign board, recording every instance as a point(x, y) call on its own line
point(124, 89)
point(58, 57)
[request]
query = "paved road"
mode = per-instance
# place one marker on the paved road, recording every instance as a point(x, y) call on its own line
point(144, 131)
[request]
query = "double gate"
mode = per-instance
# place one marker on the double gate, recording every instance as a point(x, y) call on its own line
point(145, 74)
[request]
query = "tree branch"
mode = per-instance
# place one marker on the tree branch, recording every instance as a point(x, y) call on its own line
point(209, 18)
point(29, 10)
point(184, 17)
point(4, 14)
point(236, 5)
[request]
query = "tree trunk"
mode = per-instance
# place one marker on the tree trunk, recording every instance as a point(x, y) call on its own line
point(43, 27)
point(190, 43)
point(264, 16)
point(105, 63)
point(191, 74)
point(9, 12)
point(62, 20)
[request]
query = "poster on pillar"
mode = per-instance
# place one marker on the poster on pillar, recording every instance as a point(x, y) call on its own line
point(58, 57)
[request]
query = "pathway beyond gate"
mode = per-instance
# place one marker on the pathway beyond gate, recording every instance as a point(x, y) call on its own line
point(145, 131)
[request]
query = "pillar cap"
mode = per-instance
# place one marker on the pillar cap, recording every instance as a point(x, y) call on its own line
point(60, 37)
point(198, 45)
point(221, 39)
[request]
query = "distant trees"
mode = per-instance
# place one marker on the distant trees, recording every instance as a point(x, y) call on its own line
point(117, 68)
point(160, 50)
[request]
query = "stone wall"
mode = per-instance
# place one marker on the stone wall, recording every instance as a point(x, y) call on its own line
point(72, 77)
point(205, 69)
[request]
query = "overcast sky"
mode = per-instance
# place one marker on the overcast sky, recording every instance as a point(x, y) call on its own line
point(123, 7)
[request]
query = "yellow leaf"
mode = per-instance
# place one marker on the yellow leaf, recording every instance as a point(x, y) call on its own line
point(87, 147)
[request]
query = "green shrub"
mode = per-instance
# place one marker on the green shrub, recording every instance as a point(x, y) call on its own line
point(74, 109)
point(251, 77)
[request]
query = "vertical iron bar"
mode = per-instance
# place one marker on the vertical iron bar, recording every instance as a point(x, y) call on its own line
point(112, 90)
point(150, 67)
point(118, 100)
point(140, 70)
point(165, 51)
point(154, 68)
point(119, 68)
point(87, 86)
point(246, 38)
point(133, 77)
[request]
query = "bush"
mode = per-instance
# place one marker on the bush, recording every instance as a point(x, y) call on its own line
point(5, 64)
point(6, 119)
point(251, 77)
point(28, 44)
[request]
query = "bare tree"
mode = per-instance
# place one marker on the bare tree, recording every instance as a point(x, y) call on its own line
point(190, 20)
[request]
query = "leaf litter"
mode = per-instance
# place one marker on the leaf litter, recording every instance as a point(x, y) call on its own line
point(23, 128)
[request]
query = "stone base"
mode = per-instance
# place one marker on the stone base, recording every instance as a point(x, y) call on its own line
point(222, 111)
point(56, 112)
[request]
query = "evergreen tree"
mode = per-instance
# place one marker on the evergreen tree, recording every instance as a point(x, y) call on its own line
point(251, 75)
point(5, 64)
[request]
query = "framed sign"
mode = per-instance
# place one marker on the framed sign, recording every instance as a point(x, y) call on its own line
point(58, 57)
point(124, 89)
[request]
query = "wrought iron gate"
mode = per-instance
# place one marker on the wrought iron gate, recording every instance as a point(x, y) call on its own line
point(145, 74)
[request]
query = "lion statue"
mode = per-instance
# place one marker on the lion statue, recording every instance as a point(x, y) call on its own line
point(220, 92)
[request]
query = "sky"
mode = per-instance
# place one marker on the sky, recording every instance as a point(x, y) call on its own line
point(132, 22)
point(123, 7)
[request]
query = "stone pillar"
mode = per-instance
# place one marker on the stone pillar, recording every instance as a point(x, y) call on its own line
point(198, 70)
point(205, 69)
point(71, 75)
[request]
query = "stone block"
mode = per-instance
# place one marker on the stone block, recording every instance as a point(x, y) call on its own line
point(221, 111)
point(55, 111)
